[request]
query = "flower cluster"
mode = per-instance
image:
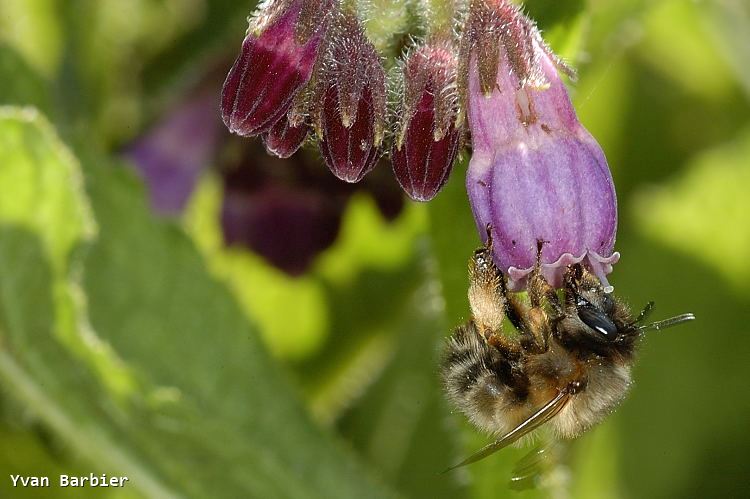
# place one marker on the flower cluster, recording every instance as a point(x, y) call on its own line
point(308, 72)
point(308, 65)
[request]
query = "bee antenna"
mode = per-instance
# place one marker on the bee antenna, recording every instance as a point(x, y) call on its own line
point(645, 312)
point(673, 321)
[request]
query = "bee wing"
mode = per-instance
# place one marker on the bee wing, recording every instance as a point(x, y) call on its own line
point(534, 466)
point(547, 412)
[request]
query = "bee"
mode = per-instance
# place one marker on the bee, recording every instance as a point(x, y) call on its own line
point(567, 368)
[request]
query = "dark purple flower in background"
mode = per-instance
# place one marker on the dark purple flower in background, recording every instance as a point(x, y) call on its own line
point(276, 61)
point(172, 155)
point(348, 105)
point(535, 173)
point(286, 224)
point(427, 139)
point(286, 211)
point(289, 211)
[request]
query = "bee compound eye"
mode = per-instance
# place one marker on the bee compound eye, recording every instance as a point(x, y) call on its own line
point(598, 321)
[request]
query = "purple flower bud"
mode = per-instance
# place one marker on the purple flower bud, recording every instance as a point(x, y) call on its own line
point(348, 107)
point(285, 137)
point(427, 140)
point(535, 172)
point(276, 61)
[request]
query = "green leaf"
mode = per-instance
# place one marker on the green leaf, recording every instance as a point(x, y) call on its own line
point(22, 85)
point(219, 36)
point(27, 143)
point(263, 291)
point(168, 384)
point(730, 20)
point(703, 213)
point(32, 27)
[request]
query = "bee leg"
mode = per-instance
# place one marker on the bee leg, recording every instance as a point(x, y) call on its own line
point(508, 347)
point(485, 291)
point(515, 310)
point(540, 294)
point(537, 330)
point(572, 284)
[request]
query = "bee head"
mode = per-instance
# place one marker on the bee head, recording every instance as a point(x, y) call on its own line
point(594, 321)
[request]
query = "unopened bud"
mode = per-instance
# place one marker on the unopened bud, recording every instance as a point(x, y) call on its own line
point(285, 137)
point(276, 61)
point(348, 106)
point(427, 140)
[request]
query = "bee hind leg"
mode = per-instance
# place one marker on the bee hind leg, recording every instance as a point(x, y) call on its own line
point(487, 299)
point(515, 309)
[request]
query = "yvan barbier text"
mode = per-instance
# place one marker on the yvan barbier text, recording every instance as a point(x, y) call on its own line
point(91, 480)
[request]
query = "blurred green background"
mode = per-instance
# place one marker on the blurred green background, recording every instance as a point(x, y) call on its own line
point(138, 345)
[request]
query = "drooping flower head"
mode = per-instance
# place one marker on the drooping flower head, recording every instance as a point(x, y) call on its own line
point(427, 138)
point(535, 174)
point(277, 59)
point(286, 223)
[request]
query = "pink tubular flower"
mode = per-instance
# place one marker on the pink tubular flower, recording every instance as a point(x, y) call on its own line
point(427, 140)
point(276, 61)
point(535, 173)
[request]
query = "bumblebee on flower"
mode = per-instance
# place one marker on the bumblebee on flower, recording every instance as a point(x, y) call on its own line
point(538, 184)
